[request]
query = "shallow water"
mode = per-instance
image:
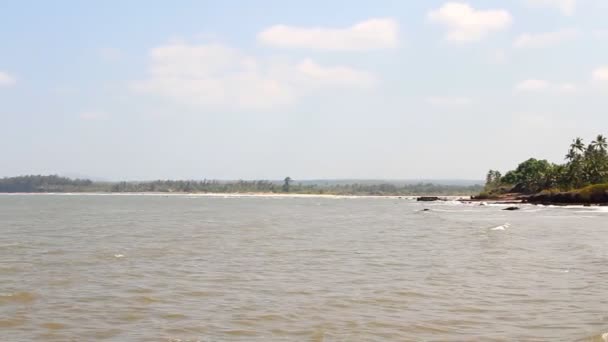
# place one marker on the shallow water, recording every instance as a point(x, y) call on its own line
point(190, 268)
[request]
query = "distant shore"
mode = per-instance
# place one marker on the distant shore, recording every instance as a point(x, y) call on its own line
point(243, 194)
point(58, 184)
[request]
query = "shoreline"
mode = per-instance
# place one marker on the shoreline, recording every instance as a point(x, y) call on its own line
point(234, 194)
point(536, 199)
point(466, 200)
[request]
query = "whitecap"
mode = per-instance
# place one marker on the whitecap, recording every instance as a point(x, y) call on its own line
point(501, 227)
point(119, 255)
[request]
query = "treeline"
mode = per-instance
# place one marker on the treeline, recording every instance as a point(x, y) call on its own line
point(388, 189)
point(43, 184)
point(586, 165)
point(61, 184)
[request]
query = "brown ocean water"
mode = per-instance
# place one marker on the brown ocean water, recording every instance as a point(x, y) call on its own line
point(192, 268)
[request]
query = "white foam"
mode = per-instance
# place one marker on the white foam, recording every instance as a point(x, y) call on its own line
point(501, 227)
point(119, 256)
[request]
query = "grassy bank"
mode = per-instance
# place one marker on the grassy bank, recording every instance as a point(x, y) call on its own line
point(593, 194)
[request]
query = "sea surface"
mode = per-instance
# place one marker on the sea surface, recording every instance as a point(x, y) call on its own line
point(200, 268)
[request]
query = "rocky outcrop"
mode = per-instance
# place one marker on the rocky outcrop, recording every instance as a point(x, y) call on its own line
point(595, 194)
point(428, 199)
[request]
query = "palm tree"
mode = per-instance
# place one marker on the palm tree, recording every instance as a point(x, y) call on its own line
point(575, 163)
point(600, 143)
point(600, 159)
point(578, 145)
point(571, 156)
point(286, 184)
point(576, 149)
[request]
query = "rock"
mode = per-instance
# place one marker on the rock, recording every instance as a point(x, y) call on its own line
point(511, 208)
point(426, 209)
point(428, 199)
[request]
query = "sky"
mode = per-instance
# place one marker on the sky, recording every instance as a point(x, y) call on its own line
point(140, 90)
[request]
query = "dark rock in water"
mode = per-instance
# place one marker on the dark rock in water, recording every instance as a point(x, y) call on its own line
point(428, 199)
point(426, 209)
point(511, 208)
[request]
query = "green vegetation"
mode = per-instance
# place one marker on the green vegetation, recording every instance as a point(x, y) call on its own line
point(585, 169)
point(61, 184)
point(43, 184)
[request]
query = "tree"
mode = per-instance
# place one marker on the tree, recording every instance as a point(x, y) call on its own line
point(595, 162)
point(601, 143)
point(531, 176)
point(576, 172)
point(493, 180)
point(585, 165)
point(286, 184)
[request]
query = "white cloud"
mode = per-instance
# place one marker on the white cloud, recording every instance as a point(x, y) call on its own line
point(316, 75)
point(539, 40)
point(218, 76)
point(380, 33)
point(93, 115)
point(600, 74)
point(537, 85)
point(448, 101)
point(567, 7)
point(532, 85)
point(6, 79)
point(466, 24)
point(110, 54)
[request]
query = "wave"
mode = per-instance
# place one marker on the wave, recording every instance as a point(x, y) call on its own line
point(501, 227)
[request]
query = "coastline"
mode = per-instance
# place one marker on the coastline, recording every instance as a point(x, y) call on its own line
point(503, 200)
point(562, 199)
point(232, 194)
point(510, 198)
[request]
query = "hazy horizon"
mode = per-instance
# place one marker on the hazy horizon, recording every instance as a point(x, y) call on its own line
point(328, 181)
point(241, 90)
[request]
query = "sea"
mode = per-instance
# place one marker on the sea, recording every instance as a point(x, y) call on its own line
point(153, 267)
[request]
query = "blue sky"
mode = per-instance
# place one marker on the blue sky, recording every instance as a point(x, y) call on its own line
point(316, 89)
